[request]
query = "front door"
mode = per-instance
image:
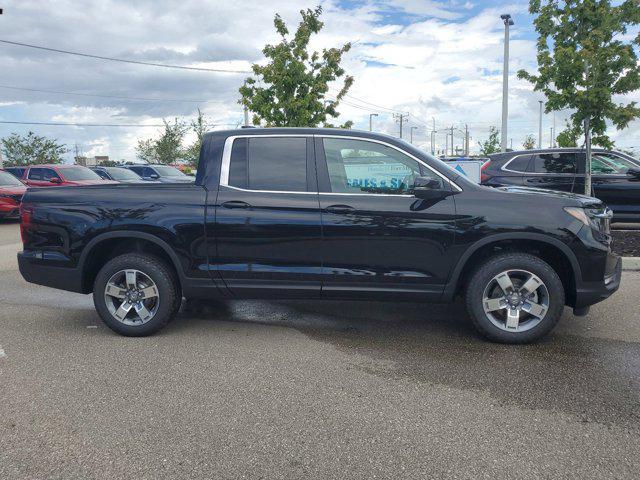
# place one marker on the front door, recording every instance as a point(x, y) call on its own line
point(42, 177)
point(614, 186)
point(267, 224)
point(378, 238)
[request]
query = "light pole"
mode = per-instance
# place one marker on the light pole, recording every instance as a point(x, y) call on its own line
point(433, 136)
point(412, 129)
point(371, 115)
point(506, 18)
point(540, 125)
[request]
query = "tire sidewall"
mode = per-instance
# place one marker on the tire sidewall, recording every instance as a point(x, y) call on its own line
point(158, 272)
point(499, 264)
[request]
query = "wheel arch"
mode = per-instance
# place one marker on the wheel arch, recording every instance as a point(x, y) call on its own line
point(123, 241)
point(553, 251)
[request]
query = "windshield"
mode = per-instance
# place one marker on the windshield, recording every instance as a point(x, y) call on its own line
point(612, 164)
point(79, 174)
point(122, 174)
point(8, 180)
point(165, 171)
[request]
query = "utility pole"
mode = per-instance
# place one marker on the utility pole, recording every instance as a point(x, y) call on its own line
point(400, 118)
point(412, 129)
point(554, 130)
point(511, 144)
point(371, 115)
point(540, 126)
point(506, 18)
point(452, 154)
point(446, 143)
point(433, 136)
point(550, 137)
point(466, 140)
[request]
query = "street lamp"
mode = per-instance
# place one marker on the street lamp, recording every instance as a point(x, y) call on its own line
point(506, 19)
point(411, 138)
point(371, 115)
point(540, 125)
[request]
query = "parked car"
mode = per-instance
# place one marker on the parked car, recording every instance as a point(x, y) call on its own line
point(160, 173)
point(322, 214)
point(118, 174)
point(615, 175)
point(11, 192)
point(61, 175)
point(17, 172)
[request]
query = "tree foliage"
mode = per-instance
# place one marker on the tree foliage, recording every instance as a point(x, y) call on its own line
point(199, 127)
point(584, 62)
point(290, 90)
point(529, 142)
point(167, 148)
point(492, 144)
point(31, 149)
point(570, 136)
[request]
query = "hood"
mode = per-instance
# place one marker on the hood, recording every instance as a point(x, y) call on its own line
point(176, 180)
point(571, 199)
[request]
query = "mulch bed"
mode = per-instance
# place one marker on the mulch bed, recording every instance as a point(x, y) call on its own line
point(626, 242)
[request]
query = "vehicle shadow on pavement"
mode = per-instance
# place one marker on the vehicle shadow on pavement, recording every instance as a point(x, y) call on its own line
point(592, 379)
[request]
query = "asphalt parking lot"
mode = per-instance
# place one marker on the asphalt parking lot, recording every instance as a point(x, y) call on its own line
point(254, 389)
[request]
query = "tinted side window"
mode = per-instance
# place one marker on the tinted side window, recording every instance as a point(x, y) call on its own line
point(553, 163)
point(102, 174)
point(35, 174)
point(359, 166)
point(138, 170)
point(48, 174)
point(519, 163)
point(147, 172)
point(276, 164)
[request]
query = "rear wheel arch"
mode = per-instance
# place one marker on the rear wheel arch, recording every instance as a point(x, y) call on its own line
point(558, 255)
point(108, 245)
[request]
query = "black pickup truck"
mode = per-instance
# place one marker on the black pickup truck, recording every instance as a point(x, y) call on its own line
point(322, 214)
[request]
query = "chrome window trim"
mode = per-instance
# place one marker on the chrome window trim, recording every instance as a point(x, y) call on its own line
point(504, 167)
point(226, 161)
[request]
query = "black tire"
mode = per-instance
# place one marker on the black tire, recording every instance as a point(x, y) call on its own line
point(169, 296)
point(492, 267)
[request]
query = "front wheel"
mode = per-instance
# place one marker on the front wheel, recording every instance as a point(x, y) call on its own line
point(135, 294)
point(515, 298)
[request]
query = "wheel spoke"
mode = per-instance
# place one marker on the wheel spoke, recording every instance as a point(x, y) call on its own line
point(535, 309)
point(149, 292)
point(131, 278)
point(505, 282)
point(114, 291)
point(513, 318)
point(530, 285)
point(122, 311)
point(493, 304)
point(142, 311)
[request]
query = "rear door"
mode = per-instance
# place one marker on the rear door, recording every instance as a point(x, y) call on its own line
point(378, 238)
point(556, 171)
point(267, 225)
point(612, 185)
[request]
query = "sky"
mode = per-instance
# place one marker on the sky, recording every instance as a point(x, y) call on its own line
point(439, 61)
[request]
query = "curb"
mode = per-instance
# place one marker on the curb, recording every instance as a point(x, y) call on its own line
point(631, 264)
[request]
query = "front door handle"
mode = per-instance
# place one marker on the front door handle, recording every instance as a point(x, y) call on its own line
point(236, 204)
point(339, 209)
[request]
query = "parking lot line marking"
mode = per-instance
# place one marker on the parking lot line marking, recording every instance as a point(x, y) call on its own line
point(2, 354)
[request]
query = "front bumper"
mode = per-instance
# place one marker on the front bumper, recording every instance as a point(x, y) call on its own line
point(589, 293)
point(35, 269)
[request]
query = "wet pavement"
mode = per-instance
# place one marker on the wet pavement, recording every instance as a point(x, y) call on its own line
point(254, 389)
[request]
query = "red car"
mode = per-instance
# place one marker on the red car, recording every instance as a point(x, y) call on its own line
point(11, 191)
point(58, 175)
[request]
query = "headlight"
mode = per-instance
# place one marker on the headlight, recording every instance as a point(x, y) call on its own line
point(579, 214)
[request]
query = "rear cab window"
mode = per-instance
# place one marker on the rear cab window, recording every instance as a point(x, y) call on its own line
point(277, 164)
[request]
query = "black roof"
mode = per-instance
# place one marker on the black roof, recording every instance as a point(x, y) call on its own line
point(304, 131)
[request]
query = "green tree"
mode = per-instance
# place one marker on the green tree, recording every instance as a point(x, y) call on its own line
point(584, 61)
point(570, 136)
point(492, 144)
point(165, 149)
point(199, 126)
point(290, 89)
point(529, 142)
point(31, 149)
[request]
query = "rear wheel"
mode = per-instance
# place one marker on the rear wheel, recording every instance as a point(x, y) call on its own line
point(136, 294)
point(515, 298)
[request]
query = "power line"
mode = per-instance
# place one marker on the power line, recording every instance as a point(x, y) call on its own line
point(122, 60)
point(99, 124)
point(104, 96)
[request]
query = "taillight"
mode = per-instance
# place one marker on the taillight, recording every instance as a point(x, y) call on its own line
point(484, 176)
point(26, 214)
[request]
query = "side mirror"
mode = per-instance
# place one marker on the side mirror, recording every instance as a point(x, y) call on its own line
point(634, 172)
point(55, 180)
point(430, 188)
point(154, 176)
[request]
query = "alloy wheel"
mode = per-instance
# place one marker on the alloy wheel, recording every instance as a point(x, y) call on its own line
point(131, 297)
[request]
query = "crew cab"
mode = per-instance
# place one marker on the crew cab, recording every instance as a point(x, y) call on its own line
point(322, 214)
point(615, 176)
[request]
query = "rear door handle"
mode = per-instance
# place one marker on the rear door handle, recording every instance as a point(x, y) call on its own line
point(339, 209)
point(236, 204)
